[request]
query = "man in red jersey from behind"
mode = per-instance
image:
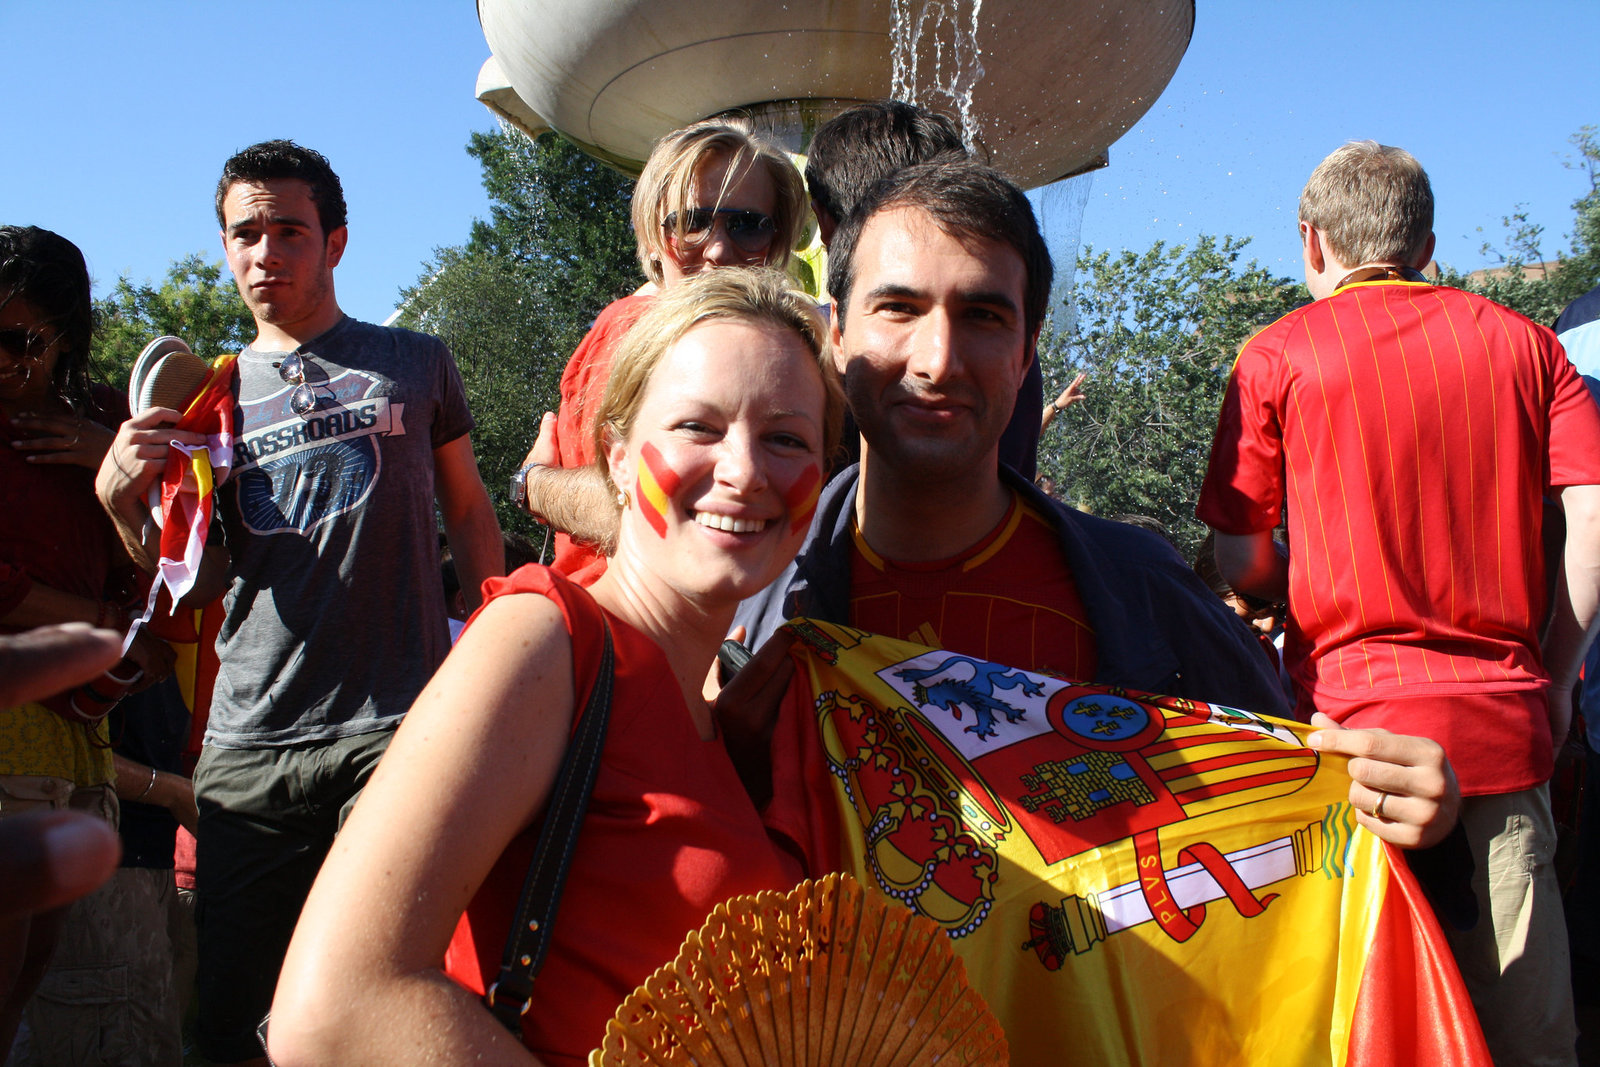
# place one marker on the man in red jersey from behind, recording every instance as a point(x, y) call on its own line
point(1413, 431)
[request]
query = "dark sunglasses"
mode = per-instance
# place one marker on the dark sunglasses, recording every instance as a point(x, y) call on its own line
point(750, 231)
point(303, 401)
point(21, 344)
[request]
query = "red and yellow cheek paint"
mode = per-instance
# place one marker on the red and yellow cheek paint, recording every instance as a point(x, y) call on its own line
point(801, 498)
point(657, 482)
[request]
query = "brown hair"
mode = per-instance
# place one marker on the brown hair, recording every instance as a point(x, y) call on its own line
point(666, 186)
point(862, 145)
point(1372, 202)
point(965, 200)
point(759, 295)
point(275, 160)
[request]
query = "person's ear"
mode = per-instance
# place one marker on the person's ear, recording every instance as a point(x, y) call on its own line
point(336, 242)
point(617, 464)
point(1316, 259)
point(826, 223)
point(1423, 258)
point(836, 340)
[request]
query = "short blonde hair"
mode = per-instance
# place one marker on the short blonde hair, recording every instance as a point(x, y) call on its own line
point(1372, 202)
point(666, 186)
point(758, 295)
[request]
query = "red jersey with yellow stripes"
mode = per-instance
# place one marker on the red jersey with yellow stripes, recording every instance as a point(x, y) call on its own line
point(1008, 598)
point(1414, 430)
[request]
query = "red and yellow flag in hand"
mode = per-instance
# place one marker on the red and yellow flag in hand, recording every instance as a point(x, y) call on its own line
point(1130, 879)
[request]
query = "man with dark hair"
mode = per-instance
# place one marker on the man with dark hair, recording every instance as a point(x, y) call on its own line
point(860, 147)
point(849, 154)
point(1414, 431)
point(346, 435)
point(941, 279)
point(285, 160)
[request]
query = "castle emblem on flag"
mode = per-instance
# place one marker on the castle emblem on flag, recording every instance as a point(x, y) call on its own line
point(948, 760)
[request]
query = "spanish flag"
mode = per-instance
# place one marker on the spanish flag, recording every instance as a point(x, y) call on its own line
point(187, 486)
point(1130, 879)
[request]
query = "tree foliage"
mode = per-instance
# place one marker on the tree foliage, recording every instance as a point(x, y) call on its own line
point(1157, 332)
point(515, 299)
point(197, 302)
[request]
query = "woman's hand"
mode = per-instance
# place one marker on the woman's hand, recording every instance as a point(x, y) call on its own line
point(153, 656)
point(70, 439)
point(176, 793)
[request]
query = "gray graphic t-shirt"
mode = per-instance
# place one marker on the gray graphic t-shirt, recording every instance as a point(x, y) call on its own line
point(335, 616)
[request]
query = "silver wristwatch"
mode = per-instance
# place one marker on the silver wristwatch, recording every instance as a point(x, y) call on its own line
point(519, 486)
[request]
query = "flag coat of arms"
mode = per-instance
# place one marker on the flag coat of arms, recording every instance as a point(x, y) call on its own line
point(1129, 878)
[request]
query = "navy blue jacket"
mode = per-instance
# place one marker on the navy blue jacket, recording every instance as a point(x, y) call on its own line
point(1156, 626)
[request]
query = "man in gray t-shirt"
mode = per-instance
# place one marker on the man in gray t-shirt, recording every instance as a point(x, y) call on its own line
point(346, 434)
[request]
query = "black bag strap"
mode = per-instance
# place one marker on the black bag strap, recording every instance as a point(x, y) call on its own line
point(511, 994)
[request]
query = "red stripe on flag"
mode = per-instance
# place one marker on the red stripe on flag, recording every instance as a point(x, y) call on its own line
point(1236, 759)
point(1242, 785)
point(1217, 736)
point(1412, 1007)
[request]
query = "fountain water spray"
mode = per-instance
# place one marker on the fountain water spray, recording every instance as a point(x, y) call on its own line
point(957, 66)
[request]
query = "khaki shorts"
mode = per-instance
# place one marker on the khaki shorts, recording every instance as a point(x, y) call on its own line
point(37, 792)
point(1514, 961)
point(112, 994)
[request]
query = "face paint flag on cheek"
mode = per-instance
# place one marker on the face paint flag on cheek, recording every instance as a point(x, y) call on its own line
point(657, 483)
point(801, 498)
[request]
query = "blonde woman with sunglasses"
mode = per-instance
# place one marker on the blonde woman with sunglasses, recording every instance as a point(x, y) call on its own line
point(711, 195)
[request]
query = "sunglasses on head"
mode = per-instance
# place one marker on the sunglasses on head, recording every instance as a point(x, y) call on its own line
point(750, 231)
point(303, 401)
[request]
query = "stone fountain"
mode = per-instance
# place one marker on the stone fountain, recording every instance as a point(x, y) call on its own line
point(1043, 86)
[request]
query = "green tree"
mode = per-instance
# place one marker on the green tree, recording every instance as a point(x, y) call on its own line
point(197, 302)
point(518, 296)
point(1157, 332)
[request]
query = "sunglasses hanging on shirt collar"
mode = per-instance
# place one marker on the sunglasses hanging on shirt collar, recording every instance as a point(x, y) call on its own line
point(304, 400)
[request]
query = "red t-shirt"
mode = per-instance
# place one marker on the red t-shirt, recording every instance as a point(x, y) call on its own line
point(52, 528)
point(670, 833)
point(583, 386)
point(1414, 429)
point(1010, 599)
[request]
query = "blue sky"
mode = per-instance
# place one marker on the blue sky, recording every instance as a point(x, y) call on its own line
point(118, 117)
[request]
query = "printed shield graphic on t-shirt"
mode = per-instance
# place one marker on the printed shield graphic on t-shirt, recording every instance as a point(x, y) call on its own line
point(295, 473)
